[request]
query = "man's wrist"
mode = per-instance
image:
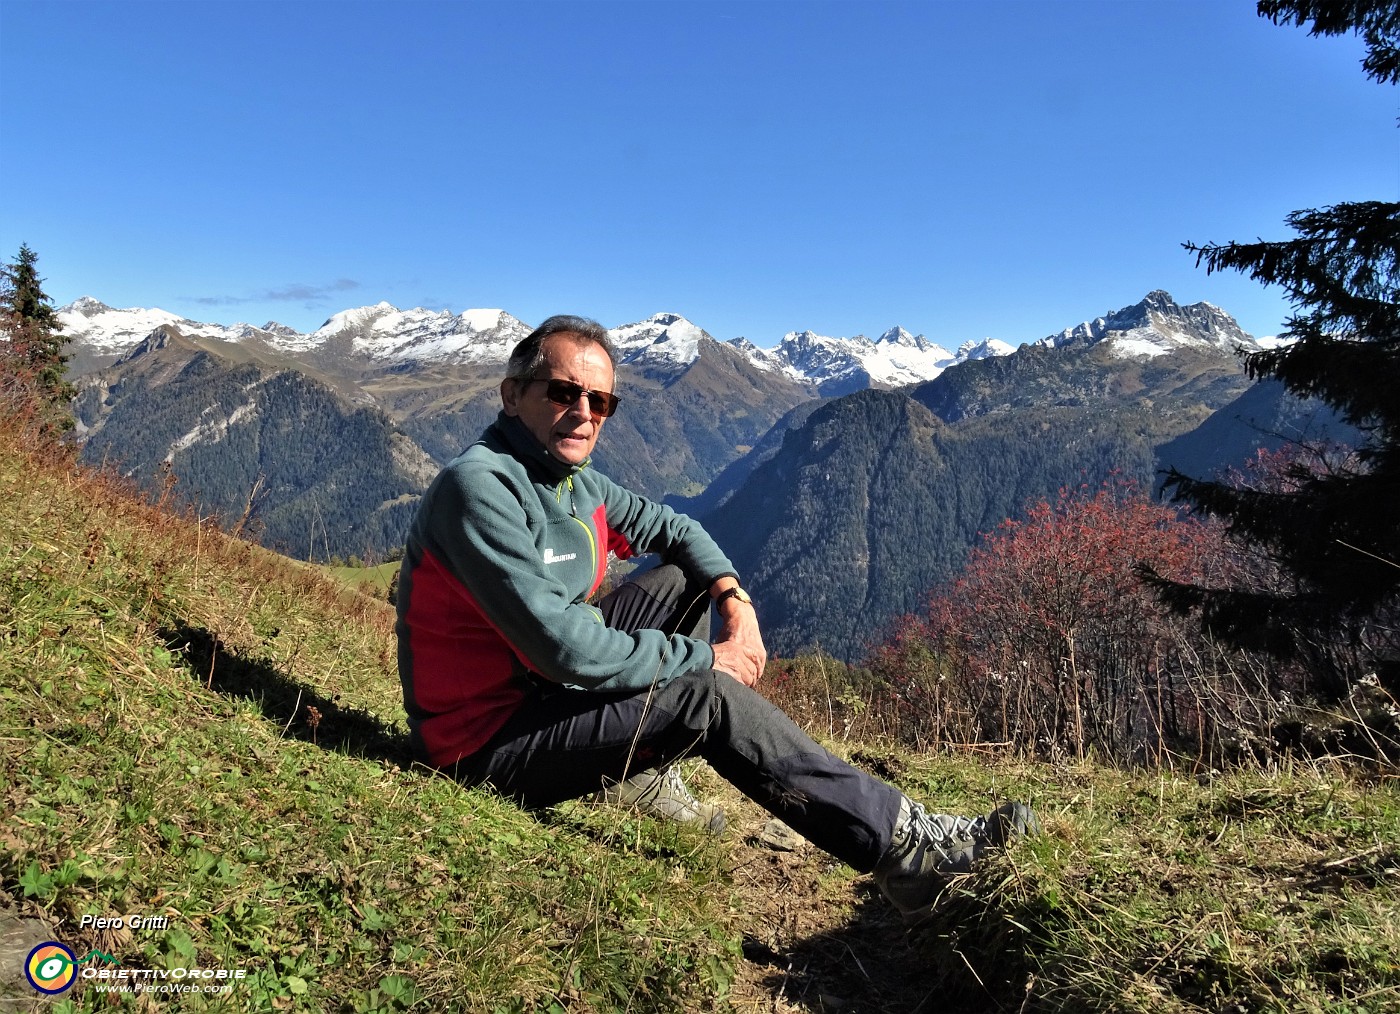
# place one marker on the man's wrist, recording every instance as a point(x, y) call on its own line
point(735, 592)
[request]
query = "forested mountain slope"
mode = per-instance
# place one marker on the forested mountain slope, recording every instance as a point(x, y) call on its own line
point(875, 500)
point(276, 448)
point(877, 497)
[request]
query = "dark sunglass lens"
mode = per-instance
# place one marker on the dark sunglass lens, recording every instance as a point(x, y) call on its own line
point(561, 392)
point(601, 404)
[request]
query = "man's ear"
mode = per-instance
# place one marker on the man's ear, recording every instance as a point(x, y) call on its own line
point(510, 396)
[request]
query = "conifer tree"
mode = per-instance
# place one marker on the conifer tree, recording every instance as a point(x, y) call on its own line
point(1334, 533)
point(34, 345)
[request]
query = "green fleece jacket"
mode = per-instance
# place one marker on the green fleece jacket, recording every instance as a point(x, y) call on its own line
point(507, 546)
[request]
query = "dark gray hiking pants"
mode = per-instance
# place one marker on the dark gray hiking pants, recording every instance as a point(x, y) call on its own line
point(561, 743)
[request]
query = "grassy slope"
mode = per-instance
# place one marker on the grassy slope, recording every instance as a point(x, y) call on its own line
point(1149, 891)
point(160, 755)
point(374, 581)
point(157, 757)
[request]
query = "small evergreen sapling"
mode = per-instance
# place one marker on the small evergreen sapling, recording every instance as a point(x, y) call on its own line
point(32, 352)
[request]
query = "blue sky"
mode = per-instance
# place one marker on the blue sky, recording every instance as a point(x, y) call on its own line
point(964, 169)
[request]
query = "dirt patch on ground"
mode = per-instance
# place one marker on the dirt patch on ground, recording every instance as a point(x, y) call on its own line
point(18, 936)
point(817, 936)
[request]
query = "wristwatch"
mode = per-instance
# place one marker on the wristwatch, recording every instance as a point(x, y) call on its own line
point(734, 593)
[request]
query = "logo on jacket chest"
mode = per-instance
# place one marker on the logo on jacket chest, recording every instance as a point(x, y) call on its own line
point(550, 557)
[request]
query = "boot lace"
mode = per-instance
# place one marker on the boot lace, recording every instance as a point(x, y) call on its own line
point(670, 783)
point(946, 834)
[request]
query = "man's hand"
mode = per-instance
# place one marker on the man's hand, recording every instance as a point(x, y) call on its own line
point(739, 649)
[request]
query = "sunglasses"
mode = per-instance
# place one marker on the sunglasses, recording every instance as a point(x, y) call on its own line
point(566, 394)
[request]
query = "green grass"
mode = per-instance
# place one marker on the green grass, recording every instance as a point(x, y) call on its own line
point(1248, 891)
point(1243, 891)
point(194, 728)
point(373, 581)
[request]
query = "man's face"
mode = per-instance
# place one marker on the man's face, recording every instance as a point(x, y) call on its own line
point(568, 432)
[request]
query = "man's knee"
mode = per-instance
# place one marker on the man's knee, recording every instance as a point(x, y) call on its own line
point(665, 583)
point(663, 598)
point(711, 697)
point(696, 697)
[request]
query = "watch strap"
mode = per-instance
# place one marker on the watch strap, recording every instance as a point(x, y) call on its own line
point(735, 592)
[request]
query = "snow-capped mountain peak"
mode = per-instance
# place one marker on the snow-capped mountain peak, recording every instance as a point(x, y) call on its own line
point(87, 306)
point(384, 332)
point(378, 332)
point(357, 317)
point(109, 331)
point(1156, 326)
point(662, 340)
point(665, 342)
point(984, 349)
point(765, 359)
point(281, 330)
point(838, 365)
point(898, 336)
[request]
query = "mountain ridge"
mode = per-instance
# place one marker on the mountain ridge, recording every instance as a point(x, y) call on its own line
point(703, 425)
point(381, 335)
point(873, 499)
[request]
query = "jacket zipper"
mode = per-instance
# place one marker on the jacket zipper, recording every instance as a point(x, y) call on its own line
point(573, 513)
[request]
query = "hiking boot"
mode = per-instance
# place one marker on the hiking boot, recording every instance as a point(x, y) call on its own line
point(928, 848)
point(664, 795)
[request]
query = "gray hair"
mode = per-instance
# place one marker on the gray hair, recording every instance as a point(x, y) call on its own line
point(528, 354)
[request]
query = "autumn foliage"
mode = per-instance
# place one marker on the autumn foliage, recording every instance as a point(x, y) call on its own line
point(1049, 641)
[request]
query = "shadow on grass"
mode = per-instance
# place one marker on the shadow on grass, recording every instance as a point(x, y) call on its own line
point(300, 711)
point(874, 964)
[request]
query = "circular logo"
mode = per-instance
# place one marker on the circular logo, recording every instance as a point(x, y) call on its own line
point(51, 967)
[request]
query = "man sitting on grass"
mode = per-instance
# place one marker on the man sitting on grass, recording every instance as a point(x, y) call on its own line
point(512, 679)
